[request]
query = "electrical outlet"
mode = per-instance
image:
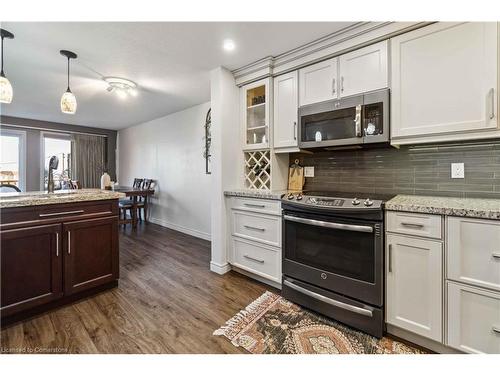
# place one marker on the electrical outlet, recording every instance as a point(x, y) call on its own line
point(309, 171)
point(457, 170)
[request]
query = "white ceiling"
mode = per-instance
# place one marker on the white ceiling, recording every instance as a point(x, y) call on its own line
point(169, 61)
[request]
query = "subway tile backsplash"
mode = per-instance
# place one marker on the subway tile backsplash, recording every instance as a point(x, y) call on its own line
point(417, 170)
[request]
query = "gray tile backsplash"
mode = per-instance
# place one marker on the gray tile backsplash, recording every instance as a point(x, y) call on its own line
point(421, 170)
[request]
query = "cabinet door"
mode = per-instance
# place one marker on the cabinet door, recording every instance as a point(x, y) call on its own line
point(444, 79)
point(473, 319)
point(473, 254)
point(285, 110)
point(318, 82)
point(31, 267)
point(255, 104)
point(364, 70)
point(414, 285)
point(91, 253)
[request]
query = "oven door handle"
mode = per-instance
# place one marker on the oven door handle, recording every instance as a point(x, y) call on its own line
point(330, 301)
point(328, 224)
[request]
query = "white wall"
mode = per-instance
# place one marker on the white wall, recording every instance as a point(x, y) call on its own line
point(227, 159)
point(170, 151)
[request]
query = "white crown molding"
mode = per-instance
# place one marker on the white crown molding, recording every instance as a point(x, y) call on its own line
point(342, 41)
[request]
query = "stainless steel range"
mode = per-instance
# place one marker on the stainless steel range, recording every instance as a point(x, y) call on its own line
point(333, 256)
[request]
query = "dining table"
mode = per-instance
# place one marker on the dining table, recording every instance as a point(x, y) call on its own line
point(134, 193)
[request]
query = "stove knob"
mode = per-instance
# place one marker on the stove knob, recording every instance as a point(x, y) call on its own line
point(290, 196)
point(368, 202)
point(298, 197)
point(355, 202)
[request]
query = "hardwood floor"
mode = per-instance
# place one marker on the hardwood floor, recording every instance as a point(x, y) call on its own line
point(167, 301)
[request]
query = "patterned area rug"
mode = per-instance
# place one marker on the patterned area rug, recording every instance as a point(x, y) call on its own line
point(273, 325)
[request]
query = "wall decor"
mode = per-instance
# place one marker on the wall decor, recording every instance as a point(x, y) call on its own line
point(208, 141)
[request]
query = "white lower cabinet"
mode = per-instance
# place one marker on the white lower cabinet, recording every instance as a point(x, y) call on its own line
point(255, 238)
point(473, 319)
point(414, 282)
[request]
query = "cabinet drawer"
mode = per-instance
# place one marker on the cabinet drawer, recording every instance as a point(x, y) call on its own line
point(474, 251)
point(258, 259)
point(262, 228)
point(414, 224)
point(473, 319)
point(257, 205)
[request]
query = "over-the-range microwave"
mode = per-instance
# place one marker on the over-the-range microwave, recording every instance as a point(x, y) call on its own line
point(355, 120)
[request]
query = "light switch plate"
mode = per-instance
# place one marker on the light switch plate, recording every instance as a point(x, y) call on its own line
point(309, 171)
point(457, 170)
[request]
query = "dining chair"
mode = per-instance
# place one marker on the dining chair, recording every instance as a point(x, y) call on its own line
point(125, 204)
point(142, 204)
point(9, 188)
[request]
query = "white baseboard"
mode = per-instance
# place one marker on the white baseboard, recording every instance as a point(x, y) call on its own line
point(221, 269)
point(180, 228)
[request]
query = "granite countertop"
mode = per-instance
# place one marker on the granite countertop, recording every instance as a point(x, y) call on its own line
point(38, 198)
point(251, 193)
point(468, 207)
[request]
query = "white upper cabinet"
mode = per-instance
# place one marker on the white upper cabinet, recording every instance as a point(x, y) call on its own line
point(444, 80)
point(318, 82)
point(285, 110)
point(364, 70)
point(255, 103)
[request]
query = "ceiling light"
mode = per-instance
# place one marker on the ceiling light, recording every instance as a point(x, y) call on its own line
point(68, 99)
point(229, 45)
point(5, 86)
point(121, 87)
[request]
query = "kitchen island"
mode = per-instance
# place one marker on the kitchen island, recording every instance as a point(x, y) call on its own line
point(56, 248)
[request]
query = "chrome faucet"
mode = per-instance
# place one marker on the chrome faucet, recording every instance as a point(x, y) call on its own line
point(53, 164)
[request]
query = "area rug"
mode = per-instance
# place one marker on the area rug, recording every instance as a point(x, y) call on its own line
point(273, 325)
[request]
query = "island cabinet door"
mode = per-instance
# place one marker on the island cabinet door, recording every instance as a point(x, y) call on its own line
point(31, 267)
point(90, 254)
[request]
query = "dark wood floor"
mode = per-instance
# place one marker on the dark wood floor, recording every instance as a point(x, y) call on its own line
point(167, 301)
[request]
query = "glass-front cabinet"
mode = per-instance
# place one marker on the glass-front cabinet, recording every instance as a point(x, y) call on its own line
point(255, 101)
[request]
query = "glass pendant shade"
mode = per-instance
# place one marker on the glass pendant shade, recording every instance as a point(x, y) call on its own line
point(5, 90)
point(68, 103)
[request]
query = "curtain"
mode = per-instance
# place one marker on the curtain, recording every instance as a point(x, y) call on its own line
point(88, 161)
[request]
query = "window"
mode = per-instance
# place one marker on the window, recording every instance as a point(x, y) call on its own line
point(56, 144)
point(13, 158)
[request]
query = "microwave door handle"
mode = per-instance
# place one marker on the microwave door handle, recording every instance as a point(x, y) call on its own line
point(328, 224)
point(357, 120)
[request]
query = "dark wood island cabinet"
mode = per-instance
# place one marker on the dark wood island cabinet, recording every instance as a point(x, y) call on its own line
point(53, 254)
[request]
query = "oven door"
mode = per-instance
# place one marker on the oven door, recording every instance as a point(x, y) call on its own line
point(332, 123)
point(341, 255)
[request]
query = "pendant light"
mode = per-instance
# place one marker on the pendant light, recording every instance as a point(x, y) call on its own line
point(68, 99)
point(5, 86)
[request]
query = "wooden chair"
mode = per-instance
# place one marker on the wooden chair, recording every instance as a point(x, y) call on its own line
point(142, 204)
point(125, 205)
point(75, 184)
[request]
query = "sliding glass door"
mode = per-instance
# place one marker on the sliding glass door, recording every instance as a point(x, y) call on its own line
point(56, 144)
point(13, 158)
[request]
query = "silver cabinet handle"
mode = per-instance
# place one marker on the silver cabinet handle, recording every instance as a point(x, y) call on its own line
point(492, 98)
point(254, 228)
point(57, 244)
point(330, 301)
point(254, 259)
point(357, 121)
point(295, 130)
point(69, 242)
point(61, 213)
point(342, 84)
point(496, 255)
point(333, 86)
point(496, 329)
point(415, 225)
point(390, 258)
point(254, 205)
point(328, 224)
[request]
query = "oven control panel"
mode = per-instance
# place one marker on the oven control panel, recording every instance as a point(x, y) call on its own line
point(334, 202)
